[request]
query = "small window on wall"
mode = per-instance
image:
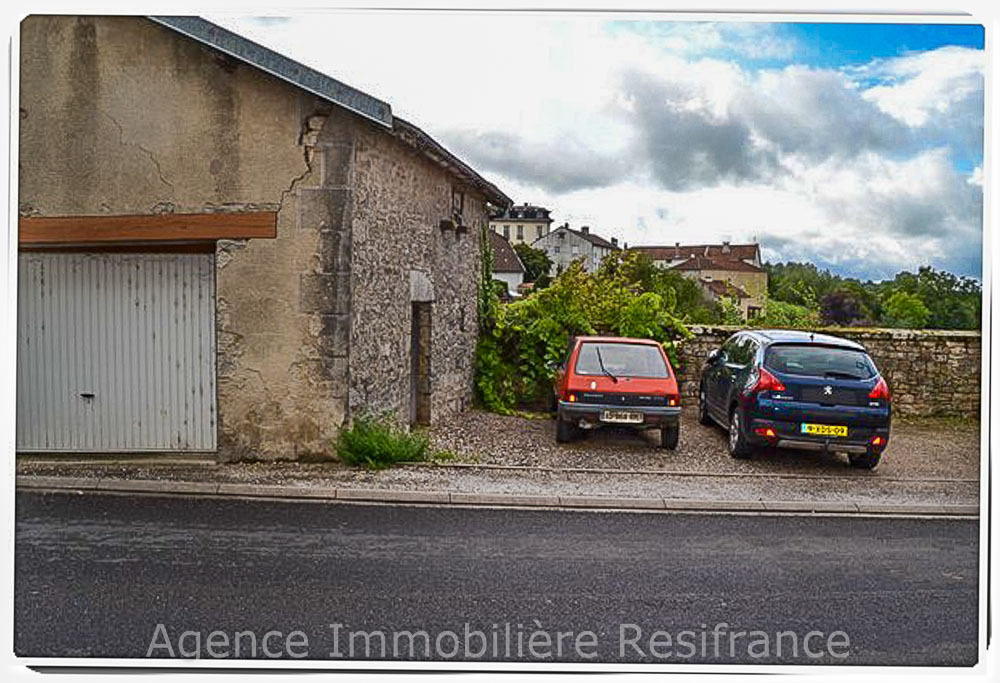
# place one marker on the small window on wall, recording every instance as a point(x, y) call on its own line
point(538, 232)
point(557, 249)
point(457, 202)
point(506, 232)
point(520, 232)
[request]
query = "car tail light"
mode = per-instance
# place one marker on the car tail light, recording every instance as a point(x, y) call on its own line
point(571, 398)
point(881, 390)
point(766, 432)
point(673, 401)
point(765, 382)
point(878, 441)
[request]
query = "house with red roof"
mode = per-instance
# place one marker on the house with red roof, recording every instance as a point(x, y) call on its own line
point(732, 271)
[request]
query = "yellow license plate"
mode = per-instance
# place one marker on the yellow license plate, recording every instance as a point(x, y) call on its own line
point(824, 430)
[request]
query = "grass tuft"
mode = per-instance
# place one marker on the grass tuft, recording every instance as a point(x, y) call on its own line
point(376, 444)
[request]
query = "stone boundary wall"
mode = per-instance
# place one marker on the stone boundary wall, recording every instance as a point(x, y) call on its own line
point(930, 372)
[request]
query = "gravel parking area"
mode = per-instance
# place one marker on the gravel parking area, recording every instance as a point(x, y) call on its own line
point(924, 449)
point(928, 462)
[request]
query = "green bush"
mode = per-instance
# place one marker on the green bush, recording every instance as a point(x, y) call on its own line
point(376, 444)
point(905, 310)
point(521, 343)
point(780, 314)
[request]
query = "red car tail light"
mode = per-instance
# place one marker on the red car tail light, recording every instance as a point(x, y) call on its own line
point(673, 401)
point(881, 390)
point(878, 441)
point(765, 382)
point(766, 432)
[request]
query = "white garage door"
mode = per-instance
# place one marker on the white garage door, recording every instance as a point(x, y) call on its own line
point(116, 352)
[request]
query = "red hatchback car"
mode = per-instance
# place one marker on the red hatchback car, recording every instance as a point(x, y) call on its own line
point(617, 381)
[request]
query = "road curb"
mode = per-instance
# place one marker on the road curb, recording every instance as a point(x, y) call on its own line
point(278, 491)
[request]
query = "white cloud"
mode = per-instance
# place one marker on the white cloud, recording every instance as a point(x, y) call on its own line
point(927, 85)
point(653, 132)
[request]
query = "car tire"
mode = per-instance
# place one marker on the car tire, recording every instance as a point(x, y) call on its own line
point(737, 442)
point(565, 431)
point(865, 461)
point(669, 436)
point(703, 416)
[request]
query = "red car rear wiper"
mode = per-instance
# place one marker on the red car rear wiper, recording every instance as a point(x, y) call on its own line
point(604, 369)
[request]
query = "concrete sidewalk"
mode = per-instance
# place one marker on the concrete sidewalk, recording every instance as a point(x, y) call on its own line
point(430, 497)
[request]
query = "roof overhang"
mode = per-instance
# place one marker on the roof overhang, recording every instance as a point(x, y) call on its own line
point(431, 148)
point(331, 90)
point(278, 65)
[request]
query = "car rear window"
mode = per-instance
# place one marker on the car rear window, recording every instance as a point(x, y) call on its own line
point(819, 361)
point(626, 360)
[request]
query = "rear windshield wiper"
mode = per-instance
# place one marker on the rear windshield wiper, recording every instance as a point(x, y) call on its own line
point(604, 369)
point(841, 375)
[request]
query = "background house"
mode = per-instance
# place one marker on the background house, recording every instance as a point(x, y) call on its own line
point(521, 223)
point(724, 270)
point(224, 250)
point(565, 245)
point(507, 266)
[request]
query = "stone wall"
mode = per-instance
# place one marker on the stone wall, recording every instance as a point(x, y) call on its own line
point(930, 372)
point(401, 255)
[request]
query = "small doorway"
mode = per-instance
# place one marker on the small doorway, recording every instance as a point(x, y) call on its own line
point(420, 363)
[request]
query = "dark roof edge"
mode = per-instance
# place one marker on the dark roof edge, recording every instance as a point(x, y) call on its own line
point(424, 143)
point(329, 89)
point(280, 66)
point(596, 240)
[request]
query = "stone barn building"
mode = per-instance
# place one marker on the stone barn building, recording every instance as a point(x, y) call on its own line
point(223, 250)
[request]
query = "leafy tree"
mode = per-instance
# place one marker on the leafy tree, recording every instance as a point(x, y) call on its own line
point(802, 284)
point(785, 315)
point(537, 263)
point(517, 353)
point(729, 313)
point(905, 310)
point(682, 295)
point(953, 302)
point(842, 307)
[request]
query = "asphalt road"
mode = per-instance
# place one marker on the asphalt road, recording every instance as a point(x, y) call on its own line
point(96, 574)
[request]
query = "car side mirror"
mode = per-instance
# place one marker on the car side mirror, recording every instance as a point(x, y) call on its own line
point(715, 356)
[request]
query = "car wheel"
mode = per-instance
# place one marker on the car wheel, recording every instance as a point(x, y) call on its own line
point(738, 446)
point(865, 461)
point(669, 436)
point(703, 416)
point(565, 431)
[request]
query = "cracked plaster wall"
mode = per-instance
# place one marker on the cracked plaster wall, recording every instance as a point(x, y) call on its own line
point(121, 116)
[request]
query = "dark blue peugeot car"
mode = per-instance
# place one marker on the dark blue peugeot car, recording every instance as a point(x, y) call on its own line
point(792, 389)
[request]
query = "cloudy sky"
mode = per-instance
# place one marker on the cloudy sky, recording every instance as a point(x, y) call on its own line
point(856, 146)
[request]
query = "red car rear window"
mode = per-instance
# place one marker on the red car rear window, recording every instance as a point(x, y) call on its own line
point(621, 360)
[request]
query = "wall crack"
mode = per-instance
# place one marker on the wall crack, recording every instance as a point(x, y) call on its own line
point(148, 153)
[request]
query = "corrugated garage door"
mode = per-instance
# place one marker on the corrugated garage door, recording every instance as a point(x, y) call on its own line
point(116, 352)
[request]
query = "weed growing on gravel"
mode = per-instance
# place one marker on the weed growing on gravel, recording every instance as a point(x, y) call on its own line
point(376, 444)
point(444, 456)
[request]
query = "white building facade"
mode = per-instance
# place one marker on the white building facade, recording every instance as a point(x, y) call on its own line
point(565, 245)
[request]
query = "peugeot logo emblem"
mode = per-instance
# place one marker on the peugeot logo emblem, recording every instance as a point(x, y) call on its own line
point(828, 391)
